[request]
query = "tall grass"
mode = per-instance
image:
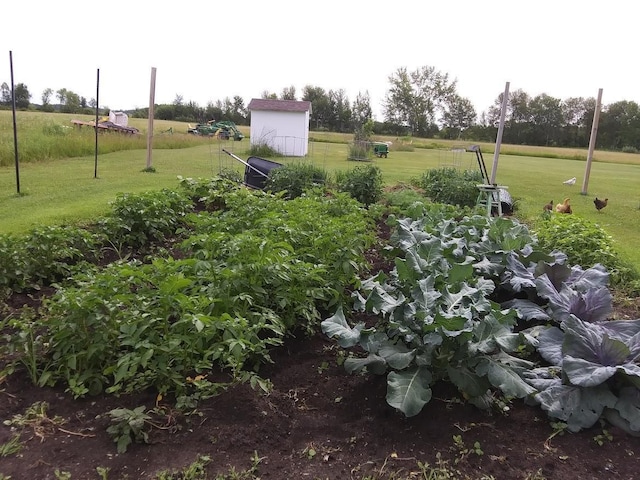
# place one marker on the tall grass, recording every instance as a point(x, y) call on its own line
point(48, 136)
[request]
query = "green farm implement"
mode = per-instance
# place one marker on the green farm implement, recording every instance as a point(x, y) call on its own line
point(224, 130)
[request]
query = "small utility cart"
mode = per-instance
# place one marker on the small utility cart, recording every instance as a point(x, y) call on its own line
point(380, 149)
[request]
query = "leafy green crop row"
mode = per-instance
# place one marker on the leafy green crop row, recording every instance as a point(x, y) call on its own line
point(470, 300)
point(240, 270)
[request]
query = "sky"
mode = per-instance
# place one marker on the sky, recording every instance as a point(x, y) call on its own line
point(206, 51)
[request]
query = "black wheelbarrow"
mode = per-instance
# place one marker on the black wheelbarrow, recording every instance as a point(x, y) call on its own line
point(256, 170)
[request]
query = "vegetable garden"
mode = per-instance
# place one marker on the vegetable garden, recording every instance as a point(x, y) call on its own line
point(216, 332)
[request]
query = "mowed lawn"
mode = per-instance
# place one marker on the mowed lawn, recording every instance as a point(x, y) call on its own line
point(63, 191)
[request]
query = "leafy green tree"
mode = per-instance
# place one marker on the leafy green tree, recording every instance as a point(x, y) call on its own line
point(232, 110)
point(517, 117)
point(47, 93)
point(239, 110)
point(578, 115)
point(212, 111)
point(548, 118)
point(62, 96)
point(417, 98)
point(458, 116)
point(320, 105)
point(165, 112)
point(69, 101)
point(267, 95)
point(46, 106)
point(400, 99)
point(22, 96)
point(340, 119)
point(361, 109)
point(619, 126)
point(5, 94)
point(190, 112)
point(73, 104)
point(288, 93)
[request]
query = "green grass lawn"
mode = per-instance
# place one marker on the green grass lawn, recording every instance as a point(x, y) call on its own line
point(65, 190)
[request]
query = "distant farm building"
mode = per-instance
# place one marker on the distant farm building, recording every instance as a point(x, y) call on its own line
point(281, 124)
point(119, 118)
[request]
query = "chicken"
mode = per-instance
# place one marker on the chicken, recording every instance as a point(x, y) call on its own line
point(548, 207)
point(564, 207)
point(571, 181)
point(600, 204)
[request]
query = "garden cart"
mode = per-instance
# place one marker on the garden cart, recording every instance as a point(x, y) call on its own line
point(380, 149)
point(256, 170)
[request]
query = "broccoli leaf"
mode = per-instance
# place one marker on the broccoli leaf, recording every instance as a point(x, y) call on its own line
point(408, 390)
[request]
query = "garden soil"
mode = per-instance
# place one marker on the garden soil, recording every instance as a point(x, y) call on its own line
point(318, 422)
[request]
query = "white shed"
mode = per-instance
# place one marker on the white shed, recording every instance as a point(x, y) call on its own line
point(281, 124)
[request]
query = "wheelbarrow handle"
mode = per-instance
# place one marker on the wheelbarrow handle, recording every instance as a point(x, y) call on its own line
point(245, 163)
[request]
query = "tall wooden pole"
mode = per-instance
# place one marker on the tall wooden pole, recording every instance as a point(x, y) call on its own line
point(95, 162)
point(592, 143)
point(15, 125)
point(496, 153)
point(152, 101)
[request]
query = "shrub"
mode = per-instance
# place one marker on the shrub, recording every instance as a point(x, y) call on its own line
point(585, 243)
point(449, 185)
point(364, 183)
point(402, 196)
point(360, 150)
point(45, 255)
point(263, 149)
point(137, 219)
point(403, 144)
point(295, 178)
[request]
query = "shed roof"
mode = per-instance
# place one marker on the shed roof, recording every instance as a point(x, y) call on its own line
point(279, 105)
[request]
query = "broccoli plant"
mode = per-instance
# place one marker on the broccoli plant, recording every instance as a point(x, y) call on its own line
point(437, 320)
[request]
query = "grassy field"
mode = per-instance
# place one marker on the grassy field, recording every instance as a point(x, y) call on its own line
point(65, 190)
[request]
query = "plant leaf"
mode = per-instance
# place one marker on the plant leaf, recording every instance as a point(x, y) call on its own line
point(578, 407)
point(591, 342)
point(397, 355)
point(527, 310)
point(591, 278)
point(408, 390)
point(505, 378)
point(374, 363)
point(585, 373)
point(425, 294)
point(338, 328)
point(628, 406)
point(550, 343)
point(468, 381)
point(520, 277)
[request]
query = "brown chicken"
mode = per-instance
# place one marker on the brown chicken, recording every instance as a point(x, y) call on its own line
point(548, 207)
point(600, 204)
point(564, 207)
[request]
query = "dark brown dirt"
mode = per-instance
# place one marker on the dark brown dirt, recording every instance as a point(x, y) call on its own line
point(314, 407)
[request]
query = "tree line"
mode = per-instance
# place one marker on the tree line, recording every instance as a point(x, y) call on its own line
point(423, 102)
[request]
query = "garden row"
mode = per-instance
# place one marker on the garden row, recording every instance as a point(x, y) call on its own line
point(476, 302)
point(209, 278)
